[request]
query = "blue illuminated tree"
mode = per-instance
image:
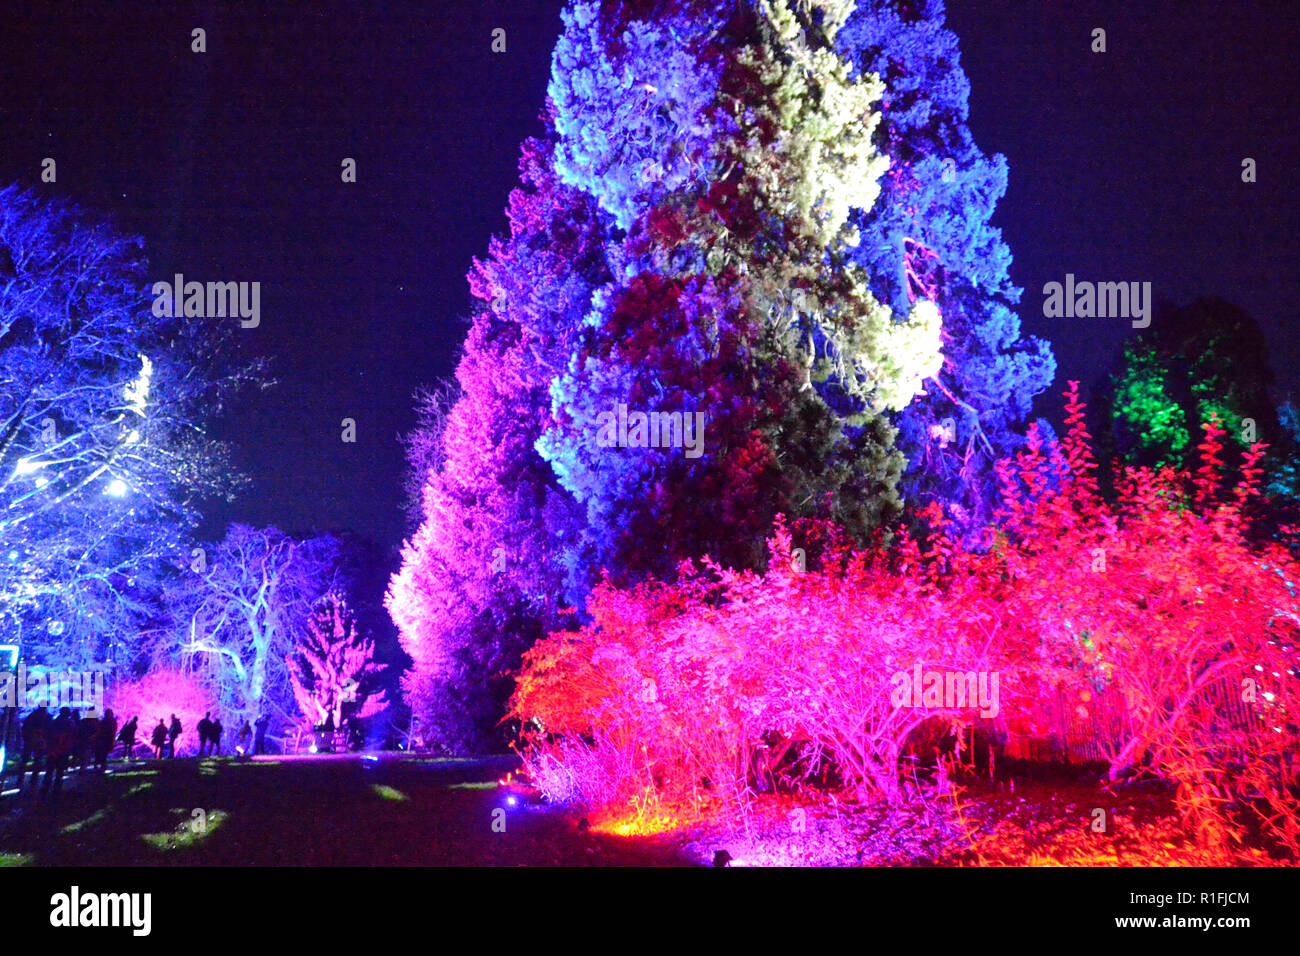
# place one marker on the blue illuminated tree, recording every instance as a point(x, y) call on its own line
point(104, 455)
point(928, 236)
point(717, 223)
point(238, 614)
point(729, 146)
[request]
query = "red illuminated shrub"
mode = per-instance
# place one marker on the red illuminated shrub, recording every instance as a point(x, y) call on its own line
point(671, 687)
point(1158, 602)
point(1153, 602)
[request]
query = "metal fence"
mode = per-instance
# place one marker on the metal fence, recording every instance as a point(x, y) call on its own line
point(1096, 729)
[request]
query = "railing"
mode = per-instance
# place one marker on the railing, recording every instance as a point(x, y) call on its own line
point(1105, 726)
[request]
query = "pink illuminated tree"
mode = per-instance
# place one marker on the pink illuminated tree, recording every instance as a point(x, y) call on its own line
point(331, 664)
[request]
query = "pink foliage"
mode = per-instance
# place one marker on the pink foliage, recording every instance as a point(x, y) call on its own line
point(681, 684)
point(1155, 601)
point(159, 694)
point(491, 507)
point(330, 665)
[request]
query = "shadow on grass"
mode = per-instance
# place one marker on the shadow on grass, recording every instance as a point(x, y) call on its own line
point(332, 812)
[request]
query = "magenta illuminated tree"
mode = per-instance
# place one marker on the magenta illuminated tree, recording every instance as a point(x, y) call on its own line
point(332, 667)
point(497, 552)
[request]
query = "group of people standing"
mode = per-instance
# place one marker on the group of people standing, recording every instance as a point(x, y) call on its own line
point(163, 739)
point(52, 743)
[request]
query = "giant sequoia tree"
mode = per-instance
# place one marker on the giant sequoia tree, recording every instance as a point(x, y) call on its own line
point(728, 145)
point(928, 237)
point(686, 242)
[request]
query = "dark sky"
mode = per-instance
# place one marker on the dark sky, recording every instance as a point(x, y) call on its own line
point(1127, 165)
point(1124, 166)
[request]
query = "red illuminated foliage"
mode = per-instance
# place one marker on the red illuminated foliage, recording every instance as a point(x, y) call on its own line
point(1153, 602)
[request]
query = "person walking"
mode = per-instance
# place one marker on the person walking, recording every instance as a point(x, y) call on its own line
point(259, 738)
point(159, 739)
point(127, 736)
point(62, 741)
point(85, 729)
point(205, 733)
point(216, 736)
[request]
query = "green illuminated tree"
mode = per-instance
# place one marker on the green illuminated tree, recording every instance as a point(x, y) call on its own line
point(1207, 358)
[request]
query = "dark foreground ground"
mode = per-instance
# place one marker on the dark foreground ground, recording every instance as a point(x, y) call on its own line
point(329, 811)
point(402, 811)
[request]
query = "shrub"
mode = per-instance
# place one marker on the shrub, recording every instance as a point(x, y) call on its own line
point(1154, 601)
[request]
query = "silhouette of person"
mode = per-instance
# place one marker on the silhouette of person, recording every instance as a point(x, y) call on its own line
point(245, 732)
point(104, 738)
point(86, 728)
point(159, 739)
point(62, 741)
point(205, 733)
point(36, 739)
point(127, 736)
point(173, 732)
point(259, 738)
point(216, 736)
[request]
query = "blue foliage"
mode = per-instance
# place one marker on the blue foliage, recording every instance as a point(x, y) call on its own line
point(631, 122)
point(933, 215)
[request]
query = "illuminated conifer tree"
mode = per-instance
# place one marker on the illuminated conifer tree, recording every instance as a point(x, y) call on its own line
point(928, 237)
point(683, 244)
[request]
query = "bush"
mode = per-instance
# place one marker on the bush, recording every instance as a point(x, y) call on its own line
point(1154, 602)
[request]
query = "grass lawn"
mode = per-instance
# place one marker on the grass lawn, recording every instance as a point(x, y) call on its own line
point(331, 811)
point(403, 811)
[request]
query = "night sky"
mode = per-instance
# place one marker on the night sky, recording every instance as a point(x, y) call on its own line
point(1125, 166)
